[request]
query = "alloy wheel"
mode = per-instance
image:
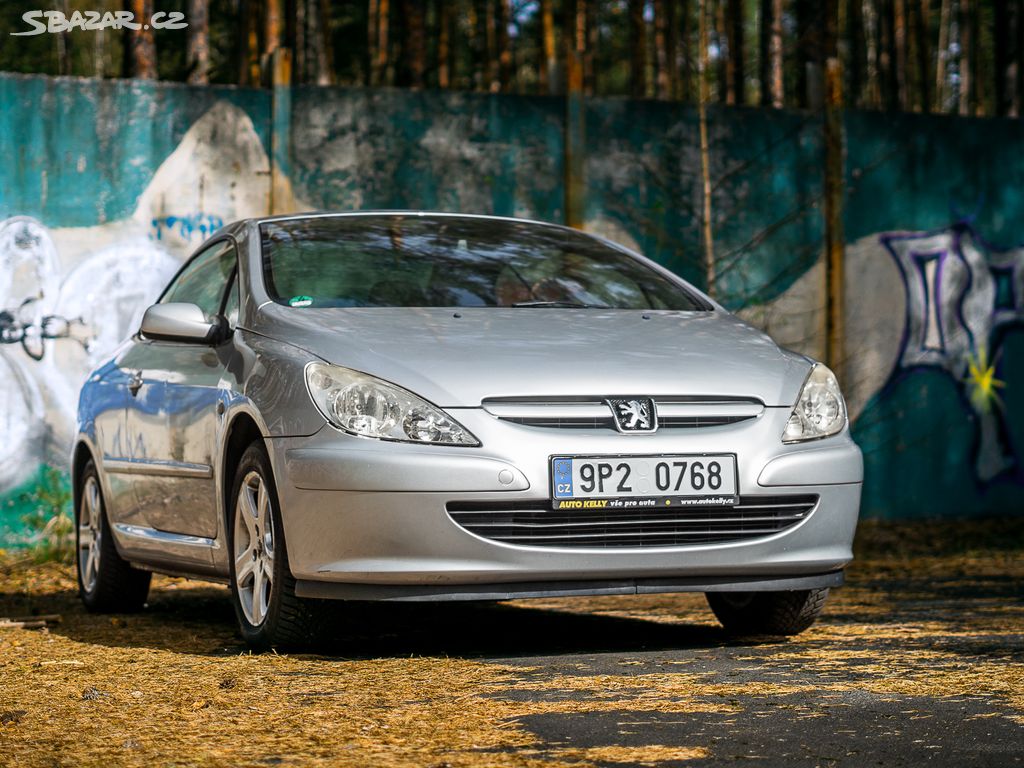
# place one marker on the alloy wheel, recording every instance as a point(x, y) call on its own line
point(254, 548)
point(90, 534)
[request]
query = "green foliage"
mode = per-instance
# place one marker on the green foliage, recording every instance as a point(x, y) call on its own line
point(49, 519)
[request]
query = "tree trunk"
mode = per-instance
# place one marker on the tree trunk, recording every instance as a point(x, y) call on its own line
point(764, 47)
point(574, 37)
point(664, 48)
point(301, 64)
point(685, 73)
point(856, 64)
point(273, 27)
point(887, 58)
point(249, 45)
point(198, 42)
point(1018, 102)
point(99, 53)
point(964, 68)
point(319, 13)
point(942, 57)
point(474, 36)
point(776, 53)
point(143, 44)
point(637, 49)
point(705, 149)
point(900, 42)
point(919, 10)
point(872, 88)
point(736, 61)
point(415, 42)
point(661, 87)
point(64, 45)
point(809, 18)
point(372, 22)
point(724, 54)
point(671, 48)
point(493, 81)
point(505, 70)
point(383, 44)
point(444, 45)
point(593, 44)
point(1001, 32)
point(548, 67)
point(977, 97)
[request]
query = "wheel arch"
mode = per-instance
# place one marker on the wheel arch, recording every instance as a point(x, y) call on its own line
point(81, 456)
point(242, 432)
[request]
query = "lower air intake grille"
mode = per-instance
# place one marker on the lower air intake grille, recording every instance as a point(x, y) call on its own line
point(535, 524)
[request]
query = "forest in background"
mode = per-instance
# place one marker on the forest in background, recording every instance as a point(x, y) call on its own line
point(942, 56)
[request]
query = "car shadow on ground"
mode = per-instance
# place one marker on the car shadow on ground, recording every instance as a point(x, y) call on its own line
point(201, 620)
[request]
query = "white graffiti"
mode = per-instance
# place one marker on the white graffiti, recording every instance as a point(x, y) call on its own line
point(69, 295)
point(88, 313)
point(110, 290)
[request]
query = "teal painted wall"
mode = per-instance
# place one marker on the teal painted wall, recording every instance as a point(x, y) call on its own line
point(387, 149)
point(80, 151)
point(85, 158)
point(953, 188)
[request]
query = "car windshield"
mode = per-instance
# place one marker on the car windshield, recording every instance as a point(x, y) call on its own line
point(450, 261)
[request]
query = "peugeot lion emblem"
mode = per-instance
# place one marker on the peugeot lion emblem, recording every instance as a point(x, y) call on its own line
point(634, 415)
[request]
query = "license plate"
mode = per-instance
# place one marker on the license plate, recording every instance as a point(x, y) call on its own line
point(606, 482)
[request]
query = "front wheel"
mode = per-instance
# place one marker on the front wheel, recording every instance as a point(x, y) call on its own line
point(767, 613)
point(107, 583)
point(269, 614)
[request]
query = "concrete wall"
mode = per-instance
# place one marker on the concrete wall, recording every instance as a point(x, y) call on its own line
point(105, 186)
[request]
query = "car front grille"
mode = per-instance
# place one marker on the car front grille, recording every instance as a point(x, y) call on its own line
point(535, 524)
point(591, 414)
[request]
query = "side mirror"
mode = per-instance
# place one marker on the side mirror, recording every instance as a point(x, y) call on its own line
point(178, 322)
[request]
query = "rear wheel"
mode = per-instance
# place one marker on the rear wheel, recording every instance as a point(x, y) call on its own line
point(767, 613)
point(107, 583)
point(269, 614)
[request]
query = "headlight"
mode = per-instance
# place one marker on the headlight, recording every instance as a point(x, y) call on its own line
point(820, 410)
point(366, 406)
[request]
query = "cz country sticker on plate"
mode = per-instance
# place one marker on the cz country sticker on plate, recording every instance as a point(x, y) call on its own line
point(621, 482)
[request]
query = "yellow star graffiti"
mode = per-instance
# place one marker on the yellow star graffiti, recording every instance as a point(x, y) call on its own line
point(981, 378)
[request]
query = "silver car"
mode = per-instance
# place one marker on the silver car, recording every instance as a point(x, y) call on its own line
point(425, 406)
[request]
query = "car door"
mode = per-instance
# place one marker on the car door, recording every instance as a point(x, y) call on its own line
point(102, 409)
point(172, 419)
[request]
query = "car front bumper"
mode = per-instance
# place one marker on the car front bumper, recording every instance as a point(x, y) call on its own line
point(367, 519)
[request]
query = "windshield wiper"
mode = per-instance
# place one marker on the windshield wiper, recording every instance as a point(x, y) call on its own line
point(569, 304)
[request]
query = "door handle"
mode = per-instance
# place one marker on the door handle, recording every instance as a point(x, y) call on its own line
point(135, 383)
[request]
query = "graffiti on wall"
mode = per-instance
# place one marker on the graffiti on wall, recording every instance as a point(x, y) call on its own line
point(55, 327)
point(961, 296)
point(70, 295)
point(191, 226)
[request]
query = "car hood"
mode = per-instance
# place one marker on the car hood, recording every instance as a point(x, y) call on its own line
point(457, 358)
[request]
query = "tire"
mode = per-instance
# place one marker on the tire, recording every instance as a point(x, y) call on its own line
point(107, 583)
point(262, 586)
point(767, 613)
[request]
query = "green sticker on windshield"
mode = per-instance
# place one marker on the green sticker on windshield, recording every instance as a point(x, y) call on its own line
point(300, 301)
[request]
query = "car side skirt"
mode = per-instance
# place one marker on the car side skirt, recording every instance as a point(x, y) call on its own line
point(325, 590)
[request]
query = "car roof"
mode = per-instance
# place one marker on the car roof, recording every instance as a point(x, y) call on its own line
point(409, 213)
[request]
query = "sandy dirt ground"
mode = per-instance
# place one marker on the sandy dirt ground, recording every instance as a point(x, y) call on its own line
point(919, 659)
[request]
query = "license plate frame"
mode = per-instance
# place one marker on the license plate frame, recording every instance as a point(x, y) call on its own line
point(656, 498)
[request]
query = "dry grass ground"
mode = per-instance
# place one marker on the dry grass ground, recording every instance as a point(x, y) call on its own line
point(920, 656)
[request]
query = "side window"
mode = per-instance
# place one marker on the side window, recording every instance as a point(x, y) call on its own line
point(205, 279)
